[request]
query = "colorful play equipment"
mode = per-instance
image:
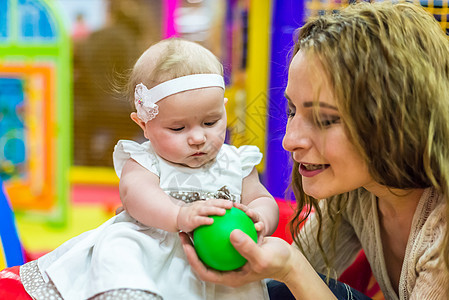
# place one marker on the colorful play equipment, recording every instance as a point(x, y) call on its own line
point(104, 179)
point(11, 250)
point(259, 19)
point(440, 10)
point(35, 100)
point(10, 285)
point(287, 16)
point(169, 7)
point(248, 22)
point(257, 108)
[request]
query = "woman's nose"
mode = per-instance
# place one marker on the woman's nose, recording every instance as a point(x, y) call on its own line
point(296, 137)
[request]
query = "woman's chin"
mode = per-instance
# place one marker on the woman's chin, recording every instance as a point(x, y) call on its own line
point(314, 193)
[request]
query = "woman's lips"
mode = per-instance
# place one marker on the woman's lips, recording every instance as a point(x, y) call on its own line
point(311, 170)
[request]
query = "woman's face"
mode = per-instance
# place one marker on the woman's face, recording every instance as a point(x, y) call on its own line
point(328, 162)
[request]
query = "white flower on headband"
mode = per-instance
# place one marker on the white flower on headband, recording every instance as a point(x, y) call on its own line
point(146, 109)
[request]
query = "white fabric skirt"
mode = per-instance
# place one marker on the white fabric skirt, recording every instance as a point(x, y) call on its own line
point(124, 254)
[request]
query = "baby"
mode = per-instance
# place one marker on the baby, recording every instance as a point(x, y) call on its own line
point(173, 182)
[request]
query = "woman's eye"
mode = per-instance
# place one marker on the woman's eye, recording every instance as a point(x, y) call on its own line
point(210, 123)
point(176, 129)
point(290, 113)
point(328, 121)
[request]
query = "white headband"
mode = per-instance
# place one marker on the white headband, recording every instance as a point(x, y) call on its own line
point(145, 99)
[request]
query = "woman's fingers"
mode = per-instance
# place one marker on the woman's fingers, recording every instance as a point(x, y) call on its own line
point(200, 269)
point(246, 247)
point(229, 278)
point(271, 258)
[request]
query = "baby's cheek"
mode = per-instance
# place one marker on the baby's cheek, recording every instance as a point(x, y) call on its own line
point(216, 145)
point(174, 145)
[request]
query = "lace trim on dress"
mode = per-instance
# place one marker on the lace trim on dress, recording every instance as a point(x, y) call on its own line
point(126, 294)
point(34, 283)
point(36, 287)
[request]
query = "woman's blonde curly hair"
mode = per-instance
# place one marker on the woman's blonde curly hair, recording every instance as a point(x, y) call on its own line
point(388, 65)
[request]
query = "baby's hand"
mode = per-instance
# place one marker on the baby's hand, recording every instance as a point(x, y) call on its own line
point(193, 215)
point(255, 217)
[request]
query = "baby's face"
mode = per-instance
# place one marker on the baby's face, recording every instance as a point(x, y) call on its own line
point(190, 127)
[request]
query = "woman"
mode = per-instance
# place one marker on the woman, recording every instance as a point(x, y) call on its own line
point(368, 130)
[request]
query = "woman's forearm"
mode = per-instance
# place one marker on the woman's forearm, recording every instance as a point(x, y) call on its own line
point(305, 283)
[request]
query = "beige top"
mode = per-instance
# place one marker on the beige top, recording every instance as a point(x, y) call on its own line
point(423, 274)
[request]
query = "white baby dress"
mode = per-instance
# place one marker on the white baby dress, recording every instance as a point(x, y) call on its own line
point(125, 254)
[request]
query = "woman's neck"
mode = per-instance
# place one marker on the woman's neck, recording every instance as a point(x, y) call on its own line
point(395, 202)
point(398, 203)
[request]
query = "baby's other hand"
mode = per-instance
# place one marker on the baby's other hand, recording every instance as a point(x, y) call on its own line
point(195, 214)
point(255, 217)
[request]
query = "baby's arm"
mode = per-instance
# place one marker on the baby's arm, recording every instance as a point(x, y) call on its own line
point(263, 207)
point(146, 202)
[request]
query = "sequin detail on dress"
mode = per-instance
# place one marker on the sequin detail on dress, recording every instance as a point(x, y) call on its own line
point(188, 197)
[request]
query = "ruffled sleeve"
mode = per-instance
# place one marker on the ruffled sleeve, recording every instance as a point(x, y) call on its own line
point(250, 156)
point(141, 153)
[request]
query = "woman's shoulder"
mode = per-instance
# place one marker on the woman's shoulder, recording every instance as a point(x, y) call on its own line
point(430, 221)
point(424, 263)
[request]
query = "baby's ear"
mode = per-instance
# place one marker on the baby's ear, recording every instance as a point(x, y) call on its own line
point(225, 101)
point(137, 120)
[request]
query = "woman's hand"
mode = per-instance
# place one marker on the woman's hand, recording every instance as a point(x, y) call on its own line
point(271, 258)
point(195, 214)
point(256, 218)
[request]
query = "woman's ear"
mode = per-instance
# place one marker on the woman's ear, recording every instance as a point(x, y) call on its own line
point(137, 120)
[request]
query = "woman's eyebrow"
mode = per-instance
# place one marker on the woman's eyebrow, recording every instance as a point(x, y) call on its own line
point(309, 104)
point(320, 104)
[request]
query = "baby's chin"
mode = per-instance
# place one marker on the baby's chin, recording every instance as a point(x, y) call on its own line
point(197, 163)
point(200, 164)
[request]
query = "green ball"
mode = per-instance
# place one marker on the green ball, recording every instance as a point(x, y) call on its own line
point(212, 243)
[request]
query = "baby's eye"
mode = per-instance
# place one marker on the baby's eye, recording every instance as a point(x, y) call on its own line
point(176, 128)
point(210, 123)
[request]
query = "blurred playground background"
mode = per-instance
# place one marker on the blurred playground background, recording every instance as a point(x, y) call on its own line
point(60, 118)
point(60, 61)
